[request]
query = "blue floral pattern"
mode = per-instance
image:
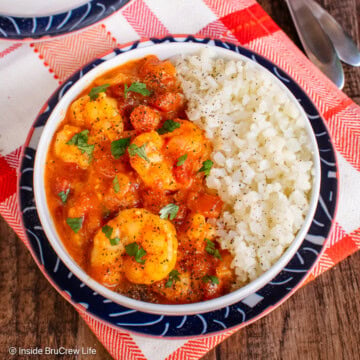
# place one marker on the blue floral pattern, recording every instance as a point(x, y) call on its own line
point(244, 311)
point(18, 28)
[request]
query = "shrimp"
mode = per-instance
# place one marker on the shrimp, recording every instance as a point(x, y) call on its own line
point(157, 237)
point(77, 112)
point(154, 169)
point(188, 139)
point(70, 153)
point(101, 114)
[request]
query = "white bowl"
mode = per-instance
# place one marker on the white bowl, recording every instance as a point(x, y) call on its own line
point(163, 51)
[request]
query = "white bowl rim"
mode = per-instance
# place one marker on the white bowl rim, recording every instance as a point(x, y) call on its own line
point(163, 51)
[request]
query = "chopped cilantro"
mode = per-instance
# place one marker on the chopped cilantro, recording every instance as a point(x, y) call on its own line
point(118, 147)
point(206, 167)
point(140, 151)
point(133, 249)
point(181, 160)
point(80, 140)
point(114, 241)
point(63, 195)
point(81, 136)
point(169, 211)
point(168, 126)
point(75, 224)
point(210, 249)
point(137, 87)
point(108, 230)
point(211, 278)
point(94, 92)
point(116, 184)
point(173, 276)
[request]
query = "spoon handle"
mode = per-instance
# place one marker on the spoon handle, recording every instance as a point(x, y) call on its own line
point(316, 42)
point(345, 47)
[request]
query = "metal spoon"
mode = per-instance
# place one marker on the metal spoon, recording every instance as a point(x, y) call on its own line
point(316, 42)
point(344, 46)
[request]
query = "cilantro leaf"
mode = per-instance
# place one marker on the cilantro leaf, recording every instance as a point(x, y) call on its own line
point(206, 167)
point(75, 223)
point(140, 151)
point(133, 249)
point(217, 254)
point(181, 160)
point(81, 136)
point(211, 278)
point(139, 255)
point(86, 148)
point(118, 147)
point(169, 211)
point(95, 91)
point(173, 276)
point(80, 140)
point(114, 241)
point(168, 126)
point(108, 230)
point(136, 87)
point(116, 184)
point(63, 195)
point(210, 249)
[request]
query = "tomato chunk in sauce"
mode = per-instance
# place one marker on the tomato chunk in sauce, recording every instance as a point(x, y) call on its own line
point(125, 183)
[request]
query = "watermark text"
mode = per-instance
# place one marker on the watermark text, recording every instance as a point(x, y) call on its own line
point(47, 350)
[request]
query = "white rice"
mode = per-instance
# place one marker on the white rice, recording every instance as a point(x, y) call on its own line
point(262, 158)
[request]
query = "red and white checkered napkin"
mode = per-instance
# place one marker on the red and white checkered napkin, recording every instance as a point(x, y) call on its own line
point(29, 73)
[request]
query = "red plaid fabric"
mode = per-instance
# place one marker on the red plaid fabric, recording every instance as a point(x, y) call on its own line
point(46, 64)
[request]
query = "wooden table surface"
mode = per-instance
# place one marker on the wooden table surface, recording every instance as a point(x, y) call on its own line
point(321, 321)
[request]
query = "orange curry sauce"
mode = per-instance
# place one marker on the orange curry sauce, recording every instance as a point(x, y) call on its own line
point(90, 181)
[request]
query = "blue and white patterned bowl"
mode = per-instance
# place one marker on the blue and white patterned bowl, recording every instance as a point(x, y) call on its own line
point(226, 312)
point(45, 27)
